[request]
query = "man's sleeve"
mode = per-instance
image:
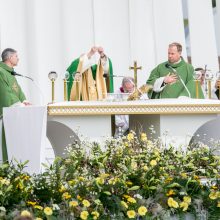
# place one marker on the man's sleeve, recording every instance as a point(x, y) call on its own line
point(7, 97)
point(71, 70)
point(156, 81)
point(21, 94)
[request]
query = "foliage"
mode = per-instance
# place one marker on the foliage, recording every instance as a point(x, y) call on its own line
point(126, 178)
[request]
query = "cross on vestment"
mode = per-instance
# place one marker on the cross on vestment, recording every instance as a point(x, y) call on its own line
point(135, 68)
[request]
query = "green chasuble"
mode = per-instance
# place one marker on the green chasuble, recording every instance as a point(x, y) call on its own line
point(10, 93)
point(73, 68)
point(174, 90)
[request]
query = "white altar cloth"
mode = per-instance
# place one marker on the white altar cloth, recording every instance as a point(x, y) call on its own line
point(25, 131)
point(175, 119)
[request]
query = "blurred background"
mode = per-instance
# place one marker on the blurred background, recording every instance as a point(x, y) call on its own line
point(50, 34)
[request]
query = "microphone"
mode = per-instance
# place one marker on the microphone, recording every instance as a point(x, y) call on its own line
point(167, 65)
point(17, 74)
point(106, 75)
point(37, 86)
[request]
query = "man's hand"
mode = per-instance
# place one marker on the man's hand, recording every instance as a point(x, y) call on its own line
point(170, 78)
point(217, 84)
point(101, 52)
point(92, 51)
point(120, 124)
point(26, 103)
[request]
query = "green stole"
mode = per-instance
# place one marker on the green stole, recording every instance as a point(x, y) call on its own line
point(73, 68)
point(185, 71)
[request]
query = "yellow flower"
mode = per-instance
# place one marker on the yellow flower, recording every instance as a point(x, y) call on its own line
point(130, 136)
point(145, 168)
point(168, 180)
point(172, 203)
point(73, 203)
point(84, 215)
point(126, 196)
point(170, 193)
point(66, 195)
point(95, 215)
point(48, 211)
point(187, 199)
point(25, 177)
point(100, 180)
point(38, 207)
point(86, 203)
point(129, 183)
point(153, 163)
point(214, 195)
point(214, 187)
point(142, 210)
point(5, 182)
point(62, 189)
point(126, 144)
point(131, 200)
point(31, 203)
point(184, 205)
point(131, 214)
point(72, 182)
point(79, 197)
point(183, 175)
point(104, 175)
point(196, 177)
point(38, 219)
point(81, 178)
point(134, 165)
point(156, 153)
point(25, 213)
point(218, 205)
point(143, 137)
point(124, 204)
point(20, 186)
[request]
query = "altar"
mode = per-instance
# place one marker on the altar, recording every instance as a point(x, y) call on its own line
point(173, 120)
point(26, 128)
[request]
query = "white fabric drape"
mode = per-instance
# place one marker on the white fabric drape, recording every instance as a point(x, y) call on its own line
point(49, 34)
point(202, 34)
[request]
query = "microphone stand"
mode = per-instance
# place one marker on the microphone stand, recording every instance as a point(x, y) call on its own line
point(27, 77)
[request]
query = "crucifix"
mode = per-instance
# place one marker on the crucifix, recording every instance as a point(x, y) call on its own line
point(135, 68)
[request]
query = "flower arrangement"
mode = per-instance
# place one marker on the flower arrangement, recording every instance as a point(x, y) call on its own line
point(130, 177)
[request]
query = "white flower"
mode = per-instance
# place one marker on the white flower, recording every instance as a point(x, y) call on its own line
point(138, 196)
point(56, 207)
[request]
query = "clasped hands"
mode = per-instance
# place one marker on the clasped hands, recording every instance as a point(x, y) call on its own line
point(170, 78)
point(95, 49)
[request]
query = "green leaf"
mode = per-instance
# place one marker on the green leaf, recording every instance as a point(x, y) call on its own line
point(174, 185)
point(204, 158)
point(153, 187)
point(107, 193)
point(134, 188)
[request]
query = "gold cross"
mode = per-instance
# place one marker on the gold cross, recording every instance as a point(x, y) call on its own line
point(135, 68)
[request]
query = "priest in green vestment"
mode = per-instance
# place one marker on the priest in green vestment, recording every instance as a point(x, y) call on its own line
point(173, 78)
point(10, 91)
point(91, 76)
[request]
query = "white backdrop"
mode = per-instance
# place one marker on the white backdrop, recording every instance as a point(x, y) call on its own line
point(49, 34)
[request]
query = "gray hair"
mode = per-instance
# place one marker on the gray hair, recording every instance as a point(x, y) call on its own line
point(127, 79)
point(177, 45)
point(7, 53)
